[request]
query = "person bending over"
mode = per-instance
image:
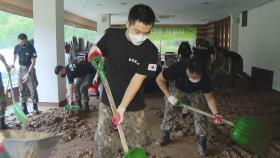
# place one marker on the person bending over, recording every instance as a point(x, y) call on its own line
point(192, 85)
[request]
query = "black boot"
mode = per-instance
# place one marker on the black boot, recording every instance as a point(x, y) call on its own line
point(86, 107)
point(2, 123)
point(165, 138)
point(202, 146)
point(80, 105)
point(35, 108)
point(24, 109)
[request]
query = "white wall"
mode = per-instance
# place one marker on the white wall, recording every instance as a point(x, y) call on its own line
point(103, 23)
point(259, 42)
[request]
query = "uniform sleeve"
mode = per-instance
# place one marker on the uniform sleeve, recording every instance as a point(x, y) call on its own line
point(33, 51)
point(70, 79)
point(207, 86)
point(173, 72)
point(102, 44)
point(16, 49)
point(148, 66)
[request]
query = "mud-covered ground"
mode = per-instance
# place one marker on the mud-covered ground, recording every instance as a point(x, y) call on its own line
point(78, 130)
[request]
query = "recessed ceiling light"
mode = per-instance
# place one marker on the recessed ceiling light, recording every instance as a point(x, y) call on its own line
point(206, 3)
point(99, 4)
point(123, 3)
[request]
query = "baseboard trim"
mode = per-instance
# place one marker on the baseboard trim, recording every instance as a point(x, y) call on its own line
point(60, 104)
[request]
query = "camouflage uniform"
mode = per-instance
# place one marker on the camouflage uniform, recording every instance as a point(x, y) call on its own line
point(2, 99)
point(195, 99)
point(81, 89)
point(107, 140)
point(29, 87)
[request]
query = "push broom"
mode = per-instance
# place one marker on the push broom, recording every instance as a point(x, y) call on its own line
point(246, 131)
point(98, 64)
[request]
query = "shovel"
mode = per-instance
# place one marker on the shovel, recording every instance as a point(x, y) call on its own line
point(71, 107)
point(16, 106)
point(247, 131)
point(98, 64)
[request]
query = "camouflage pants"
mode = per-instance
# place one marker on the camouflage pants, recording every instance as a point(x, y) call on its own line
point(107, 140)
point(2, 98)
point(196, 100)
point(81, 89)
point(28, 88)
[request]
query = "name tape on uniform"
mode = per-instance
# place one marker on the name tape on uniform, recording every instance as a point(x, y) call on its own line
point(152, 67)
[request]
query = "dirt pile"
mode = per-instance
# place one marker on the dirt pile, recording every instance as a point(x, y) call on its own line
point(70, 123)
point(86, 153)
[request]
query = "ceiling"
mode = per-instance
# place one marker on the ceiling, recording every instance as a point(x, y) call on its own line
point(168, 11)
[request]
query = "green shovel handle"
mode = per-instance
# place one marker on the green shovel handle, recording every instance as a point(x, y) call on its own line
point(182, 105)
point(99, 67)
point(100, 70)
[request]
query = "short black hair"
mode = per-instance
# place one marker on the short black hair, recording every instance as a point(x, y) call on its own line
point(22, 36)
point(58, 68)
point(185, 50)
point(142, 13)
point(196, 65)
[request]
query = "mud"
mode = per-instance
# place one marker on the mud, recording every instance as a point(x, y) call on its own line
point(243, 99)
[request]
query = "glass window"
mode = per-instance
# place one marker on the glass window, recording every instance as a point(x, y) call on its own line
point(168, 38)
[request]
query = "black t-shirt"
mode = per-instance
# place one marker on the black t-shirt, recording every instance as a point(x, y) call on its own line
point(122, 61)
point(25, 54)
point(177, 73)
point(78, 70)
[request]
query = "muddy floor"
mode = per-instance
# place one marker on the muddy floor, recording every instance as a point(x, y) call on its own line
point(242, 99)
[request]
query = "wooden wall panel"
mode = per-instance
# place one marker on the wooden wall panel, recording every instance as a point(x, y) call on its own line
point(25, 8)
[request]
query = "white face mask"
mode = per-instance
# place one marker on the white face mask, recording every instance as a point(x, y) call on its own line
point(194, 81)
point(137, 39)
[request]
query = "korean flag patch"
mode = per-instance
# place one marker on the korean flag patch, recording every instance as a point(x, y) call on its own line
point(152, 67)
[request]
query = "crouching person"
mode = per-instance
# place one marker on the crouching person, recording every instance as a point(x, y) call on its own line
point(85, 74)
point(193, 86)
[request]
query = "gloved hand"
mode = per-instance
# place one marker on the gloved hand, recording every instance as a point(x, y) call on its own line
point(172, 100)
point(25, 78)
point(119, 118)
point(218, 119)
point(95, 51)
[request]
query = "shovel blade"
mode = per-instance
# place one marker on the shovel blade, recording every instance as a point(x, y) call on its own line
point(251, 134)
point(19, 113)
point(71, 107)
point(136, 153)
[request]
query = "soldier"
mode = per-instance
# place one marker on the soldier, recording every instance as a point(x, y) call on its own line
point(193, 86)
point(3, 96)
point(184, 51)
point(129, 59)
point(84, 74)
point(27, 74)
